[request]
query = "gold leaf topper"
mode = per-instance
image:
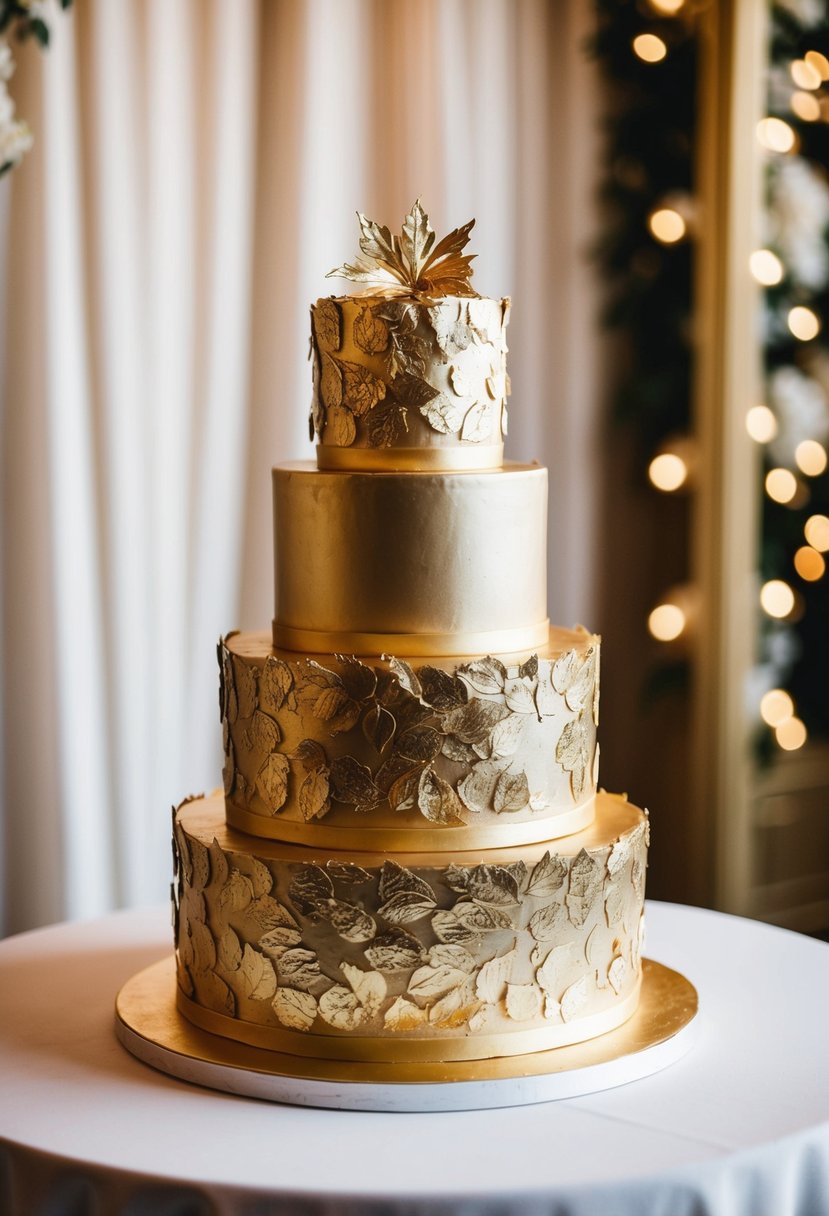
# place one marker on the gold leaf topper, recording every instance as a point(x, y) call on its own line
point(412, 264)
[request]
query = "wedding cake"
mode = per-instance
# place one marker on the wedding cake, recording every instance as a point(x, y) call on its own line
point(411, 861)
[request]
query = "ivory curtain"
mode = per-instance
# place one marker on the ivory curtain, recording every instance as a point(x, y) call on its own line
point(196, 173)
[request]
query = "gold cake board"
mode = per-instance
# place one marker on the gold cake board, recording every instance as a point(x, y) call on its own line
point(659, 1033)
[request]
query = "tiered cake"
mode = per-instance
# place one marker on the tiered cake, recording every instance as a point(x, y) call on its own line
point(411, 861)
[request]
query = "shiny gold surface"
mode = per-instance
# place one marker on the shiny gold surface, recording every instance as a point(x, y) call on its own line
point(408, 840)
point(385, 460)
point(412, 645)
point(406, 1049)
point(410, 553)
point(147, 1006)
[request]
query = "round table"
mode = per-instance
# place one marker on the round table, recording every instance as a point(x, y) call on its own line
point(738, 1127)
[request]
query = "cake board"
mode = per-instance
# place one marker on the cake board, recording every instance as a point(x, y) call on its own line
point(659, 1033)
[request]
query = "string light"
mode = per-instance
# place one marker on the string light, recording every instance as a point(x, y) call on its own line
point(809, 564)
point(811, 457)
point(668, 8)
point(766, 267)
point(805, 74)
point(776, 135)
point(667, 622)
point(803, 323)
point(667, 225)
point(819, 62)
point(816, 531)
point(781, 485)
point(776, 706)
point(806, 106)
point(649, 48)
point(790, 734)
point(761, 424)
point(776, 598)
point(668, 472)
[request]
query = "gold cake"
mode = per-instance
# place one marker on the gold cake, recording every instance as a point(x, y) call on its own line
point(411, 861)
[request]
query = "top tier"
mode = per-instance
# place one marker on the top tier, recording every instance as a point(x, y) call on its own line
point(410, 374)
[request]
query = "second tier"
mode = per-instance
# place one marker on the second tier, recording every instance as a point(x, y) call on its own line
point(410, 563)
point(397, 753)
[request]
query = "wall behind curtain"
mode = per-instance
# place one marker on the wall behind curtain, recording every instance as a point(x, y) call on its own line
point(194, 178)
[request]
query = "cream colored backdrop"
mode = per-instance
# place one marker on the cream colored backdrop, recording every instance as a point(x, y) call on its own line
point(196, 172)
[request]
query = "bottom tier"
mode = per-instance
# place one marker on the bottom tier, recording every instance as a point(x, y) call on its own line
point(441, 956)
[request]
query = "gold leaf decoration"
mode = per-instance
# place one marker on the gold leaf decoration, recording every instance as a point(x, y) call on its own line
point(412, 264)
point(585, 885)
point(340, 427)
point(331, 384)
point(260, 876)
point(384, 425)
point(454, 1009)
point(512, 792)
point(519, 696)
point(574, 999)
point(346, 871)
point(369, 987)
point(278, 940)
point(295, 1009)
point(351, 923)
point(314, 801)
point(311, 755)
point(614, 904)
point(352, 782)
point(453, 749)
point(268, 913)
point(447, 928)
point(395, 950)
point(379, 727)
point(572, 753)
point(486, 675)
point(547, 876)
point(263, 732)
point(419, 743)
point(406, 897)
point(229, 950)
point(432, 983)
point(298, 968)
point(477, 788)
point(359, 680)
point(340, 1008)
point(237, 893)
point(257, 974)
point(272, 782)
point(480, 918)
point(506, 736)
point(545, 924)
point(203, 946)
point(617, 974)
point(403, 792)
point(492, 885)
point(524, 1001)
point(437, 801)
point(327, 324)
point(219, 865)
point(574, 676)
point(443, 414)
point(440, 690)
point(413, 391)
point(492, 979)
point(361, 388)
point(549, 973)
point(213, 993)
point(244, 680)
point(404, 1015)
point(371, 334)
point(451, 331)
point(310, 885)
point(472, 723)
point(406, 677)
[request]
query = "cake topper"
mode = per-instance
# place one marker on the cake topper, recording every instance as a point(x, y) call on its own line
point(411, 264)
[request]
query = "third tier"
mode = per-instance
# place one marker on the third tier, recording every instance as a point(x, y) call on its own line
point(410, 563)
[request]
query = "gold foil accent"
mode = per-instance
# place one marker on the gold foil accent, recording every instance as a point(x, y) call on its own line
point(394, 459)
point(414, 645)
point(412, 264)
point(412, 840)
point(146, 1006)
point(409, 1050)
point(410, 553)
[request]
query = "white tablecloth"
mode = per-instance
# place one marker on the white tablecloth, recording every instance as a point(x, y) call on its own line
point(740, 1127)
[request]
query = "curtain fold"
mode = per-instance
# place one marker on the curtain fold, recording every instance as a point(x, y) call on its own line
point(194, 177)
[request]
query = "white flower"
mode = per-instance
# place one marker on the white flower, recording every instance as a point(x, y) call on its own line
point(802, 410)
point(6, 106)
point(799, 214)
point(15, 142)
point(6, 60)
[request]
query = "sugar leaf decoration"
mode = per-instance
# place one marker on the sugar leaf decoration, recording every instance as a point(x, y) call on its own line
point(411, 264)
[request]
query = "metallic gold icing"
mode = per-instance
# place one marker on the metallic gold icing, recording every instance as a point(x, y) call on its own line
point(393, 753)
point(411, 554)
point(426, 956)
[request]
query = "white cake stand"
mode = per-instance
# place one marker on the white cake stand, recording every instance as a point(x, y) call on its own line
point(661, 1031)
